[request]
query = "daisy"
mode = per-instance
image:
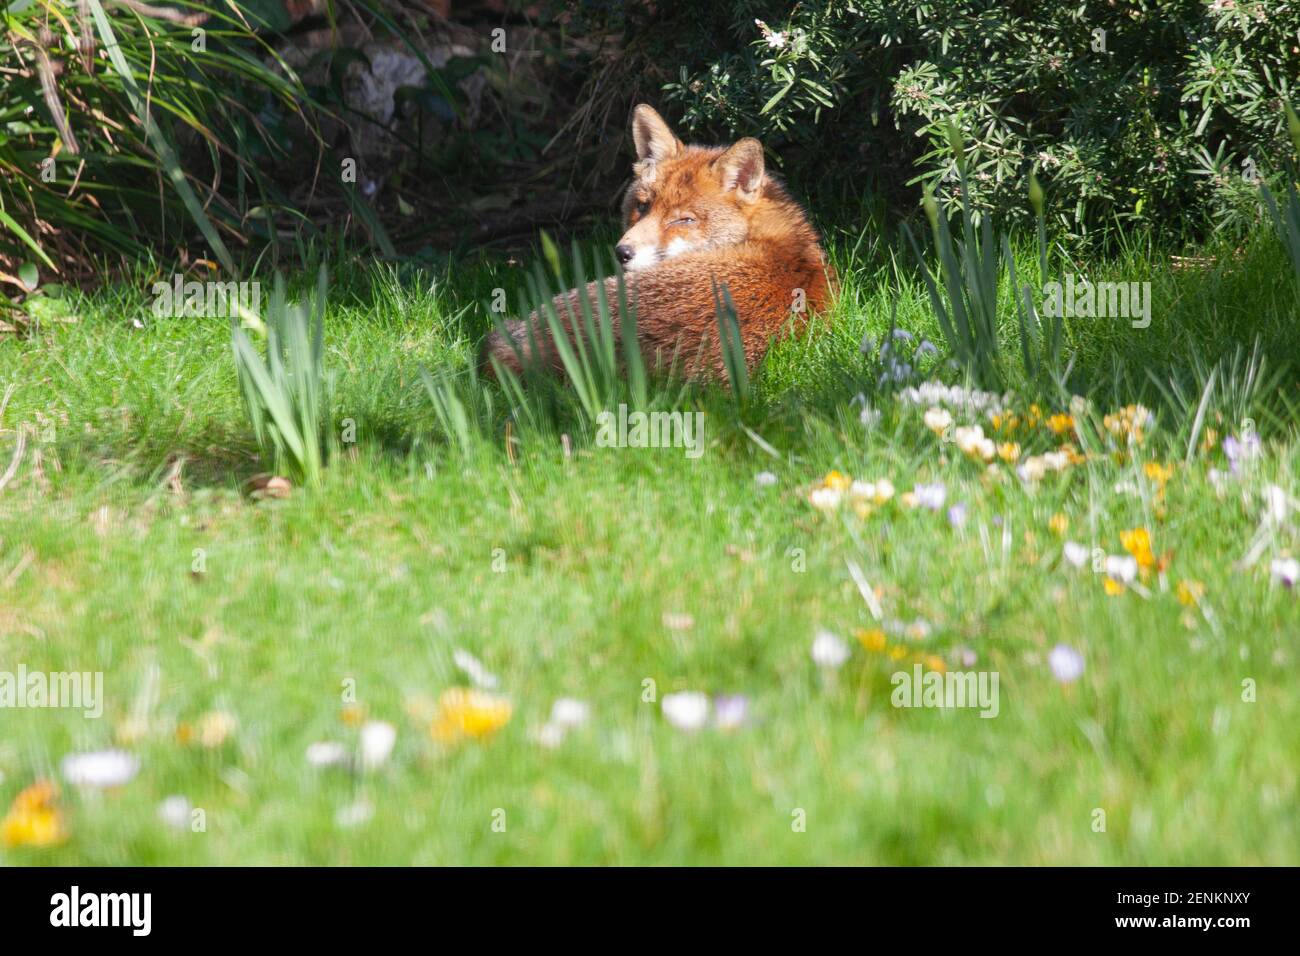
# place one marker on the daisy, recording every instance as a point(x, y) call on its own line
point(326, 753)
point(100, 769)
point(686, 710)
point(829, 651)
point(568, 712)
point(377, 740)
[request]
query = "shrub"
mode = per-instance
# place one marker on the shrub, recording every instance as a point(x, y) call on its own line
point(119, 129)
point(1157, 111)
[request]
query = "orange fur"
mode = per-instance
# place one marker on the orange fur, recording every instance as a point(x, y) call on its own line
point(696, 215)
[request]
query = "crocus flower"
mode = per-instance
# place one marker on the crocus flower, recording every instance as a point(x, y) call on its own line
point(930, 496)
point(34, 818)
point(1066, 663)
point(1241, 450)
point(1137, 542)
point(937, 419)
point(463, 713)
point(825, 499)
point(730, 711)
point(1286, 571)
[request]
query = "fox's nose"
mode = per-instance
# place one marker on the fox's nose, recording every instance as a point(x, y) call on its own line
point(624, 253)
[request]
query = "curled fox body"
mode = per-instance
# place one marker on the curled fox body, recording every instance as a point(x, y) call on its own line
point(696, 216)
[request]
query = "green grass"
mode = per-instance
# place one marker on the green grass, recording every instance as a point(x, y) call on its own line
point(378, 575)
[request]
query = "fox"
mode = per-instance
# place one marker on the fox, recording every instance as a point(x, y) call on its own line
point(696, 219)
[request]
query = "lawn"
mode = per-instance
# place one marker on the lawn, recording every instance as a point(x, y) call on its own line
point(237, 634)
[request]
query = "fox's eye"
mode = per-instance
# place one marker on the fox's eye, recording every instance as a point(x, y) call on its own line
point(683, 221)
point(642, 208)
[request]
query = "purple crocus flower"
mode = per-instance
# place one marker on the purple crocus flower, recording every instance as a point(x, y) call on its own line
point(730, 711)
point(1239, 450)
point(930, 496)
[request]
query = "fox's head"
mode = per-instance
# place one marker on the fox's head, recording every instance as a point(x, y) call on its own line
point(686, 198)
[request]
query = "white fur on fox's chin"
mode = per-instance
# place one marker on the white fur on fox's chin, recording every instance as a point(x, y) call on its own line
point(647, 256)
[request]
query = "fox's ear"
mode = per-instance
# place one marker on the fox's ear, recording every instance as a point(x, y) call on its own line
point(741, 168)
point(654, 140)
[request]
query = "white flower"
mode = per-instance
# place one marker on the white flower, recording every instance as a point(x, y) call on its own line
point(862, 490)
point(869, 417)
point(355, 814)
point(474, 669)
point(1056, 460)
point(967, 436)
point(1122, 567)
point(175, 812)
point(970, 401)
point(937, 419)
point(100, 769)
point(1275, 504)
point(1286, 571)
point(326, 753)
point(884, 491)
point(1066, 663)
point(825, 499)
point(829, 650)
point(1075, 553)
point(568, 712)
point(549, 735)
point(377, 739)
point(765, 479)
point(686, 710)
point(1032, 469)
